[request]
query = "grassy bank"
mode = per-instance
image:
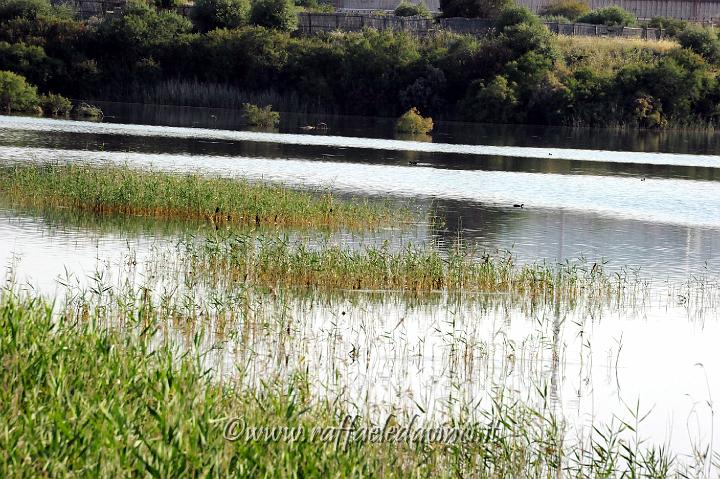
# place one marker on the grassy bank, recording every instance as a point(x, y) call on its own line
point(110, 190)
point(81, 400)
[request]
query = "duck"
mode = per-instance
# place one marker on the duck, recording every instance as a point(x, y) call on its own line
point(318, 126)
point(518, 205)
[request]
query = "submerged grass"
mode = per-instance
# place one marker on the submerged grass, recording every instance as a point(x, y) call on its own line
point(117, 189)
point(81, 399)
point(279, 260)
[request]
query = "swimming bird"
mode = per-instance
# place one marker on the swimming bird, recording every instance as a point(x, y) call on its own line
point(518, 205)
point(411, 162)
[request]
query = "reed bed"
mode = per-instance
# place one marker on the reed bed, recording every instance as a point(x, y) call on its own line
point(81, 399)
point(221, 201)
point(279, 260)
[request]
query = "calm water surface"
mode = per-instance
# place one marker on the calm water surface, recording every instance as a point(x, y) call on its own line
point(647, 201)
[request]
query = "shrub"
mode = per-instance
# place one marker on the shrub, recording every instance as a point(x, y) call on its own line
point(555, 19)
point(27, 9)
point(211, 14)
point(647, 111)
point(473, 8)
point(406, 9)
point(315, 5)
point(570, 9)
point(671, 26)
point(610, 16)
point(16, 94)
point(495, 102)
point(85, 110)
point(276, 14)
point(515, 16)
point(412, 122)
point(261, 116)
point(702, 41)
point(55, 105)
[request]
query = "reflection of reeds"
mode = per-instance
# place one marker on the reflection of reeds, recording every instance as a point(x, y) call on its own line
point(207, 94)
point(124, 190)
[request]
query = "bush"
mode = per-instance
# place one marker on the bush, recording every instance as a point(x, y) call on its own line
point(702, 41)
point(610, 16)
point(259, 116)
point(556, 19)
point(276, 14)
point(85, 110)
point(315, 5)
point(473, 8)
point(495, 102)
point(515, 16)
point(412, 122)
point(211, 14)
point(671, 26)
point(16, 94)
point(55, 105)
point(406, 9)
point(570, 9)
point(27, 9)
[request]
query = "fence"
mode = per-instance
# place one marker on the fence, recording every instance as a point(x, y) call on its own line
point(693, 10)
point(313, 23)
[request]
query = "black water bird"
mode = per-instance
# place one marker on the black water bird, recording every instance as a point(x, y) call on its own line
point(518, 205)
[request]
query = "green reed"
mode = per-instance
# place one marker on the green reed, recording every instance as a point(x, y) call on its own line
point(274, 260)
point(81, 398)
point(221, 201)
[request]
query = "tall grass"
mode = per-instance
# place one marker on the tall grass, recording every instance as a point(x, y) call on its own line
point(81, 399)
point(193, 196)
point(610, 54)
point(277, 260)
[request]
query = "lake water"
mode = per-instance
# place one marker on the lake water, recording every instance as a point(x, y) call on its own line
point(645, 202)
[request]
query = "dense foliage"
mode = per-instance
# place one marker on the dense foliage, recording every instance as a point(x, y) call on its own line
point(16, 94)
point(407, 9)
point(522, 73)
point(412, 122)
point(611, 16)
point(570, 9)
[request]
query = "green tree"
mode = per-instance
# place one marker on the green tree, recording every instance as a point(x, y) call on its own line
point(275, 14)
point(16, 94)
point(210, 14)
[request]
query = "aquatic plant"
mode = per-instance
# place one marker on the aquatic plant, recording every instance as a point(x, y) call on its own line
point(261, 116)
point(55, 105)
point(273, 260)
point(412, 122)
point(220, 201)
point(85, 110)
point(89, 388)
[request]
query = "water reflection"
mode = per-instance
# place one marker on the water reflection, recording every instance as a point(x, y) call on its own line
point(700, 142)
